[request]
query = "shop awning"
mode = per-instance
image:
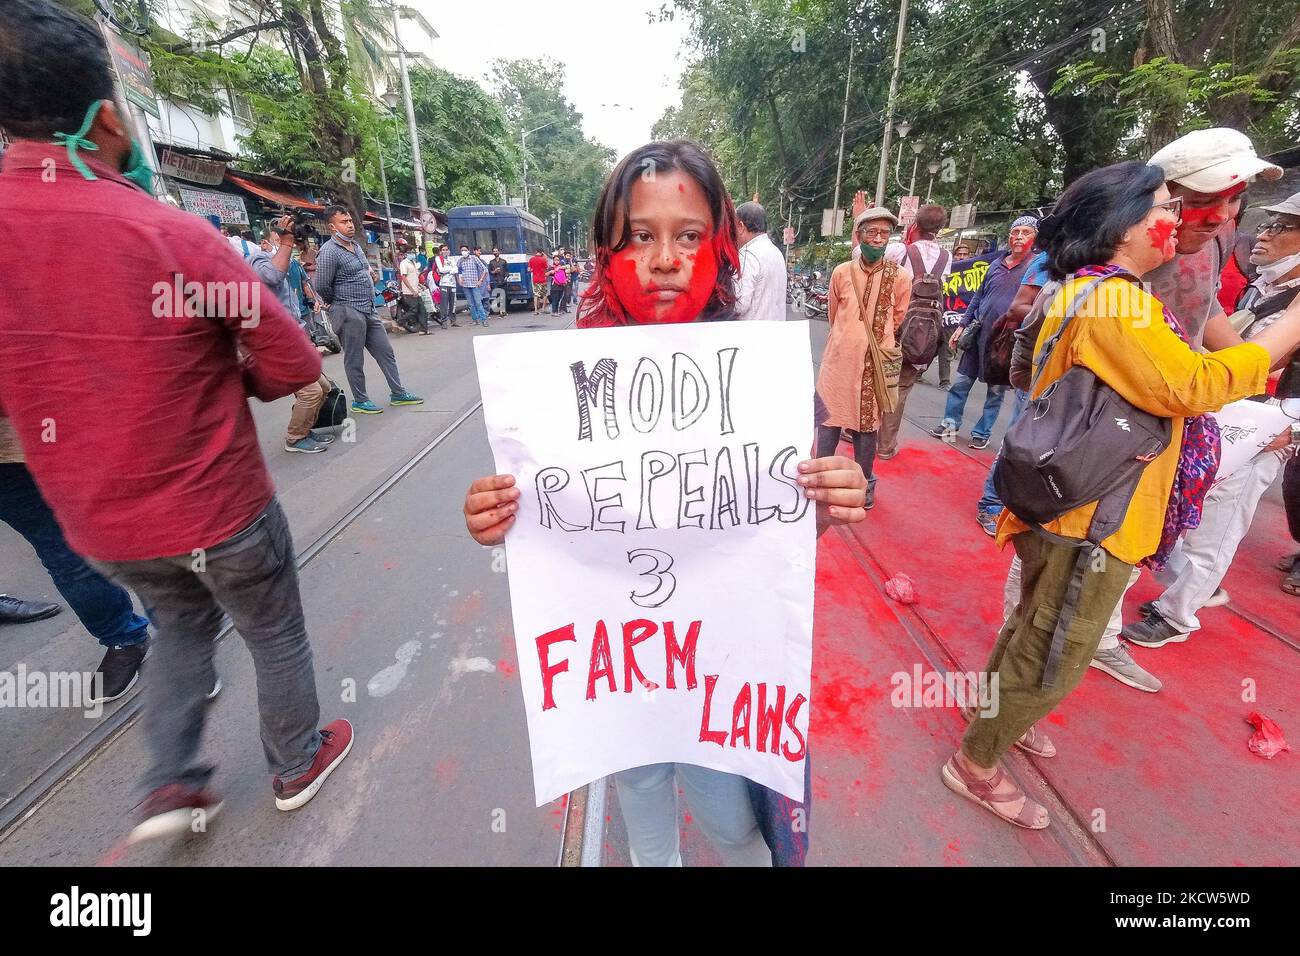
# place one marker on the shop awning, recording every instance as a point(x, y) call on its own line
point(272, 195)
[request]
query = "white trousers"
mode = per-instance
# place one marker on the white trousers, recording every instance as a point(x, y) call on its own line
point(1203, 556)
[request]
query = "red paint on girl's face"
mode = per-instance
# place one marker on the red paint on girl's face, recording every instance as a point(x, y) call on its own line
point(675, 294)
point(1161, 234)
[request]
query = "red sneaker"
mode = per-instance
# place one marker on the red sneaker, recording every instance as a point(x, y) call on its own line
point(174, 810)
point(336, 741)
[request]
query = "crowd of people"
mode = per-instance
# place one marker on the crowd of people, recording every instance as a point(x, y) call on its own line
point(173, 501)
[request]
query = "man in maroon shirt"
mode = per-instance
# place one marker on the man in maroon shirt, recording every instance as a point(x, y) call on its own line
point(128, 395)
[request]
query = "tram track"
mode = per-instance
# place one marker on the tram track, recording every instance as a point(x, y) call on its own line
point(578, 845)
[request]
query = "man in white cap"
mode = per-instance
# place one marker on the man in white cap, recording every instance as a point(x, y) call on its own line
point(1208, 169)
point(1198, 566)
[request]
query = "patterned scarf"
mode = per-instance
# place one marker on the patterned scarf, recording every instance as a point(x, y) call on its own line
point(1198, 459)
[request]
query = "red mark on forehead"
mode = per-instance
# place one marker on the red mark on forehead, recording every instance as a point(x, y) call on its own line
point(681, 187)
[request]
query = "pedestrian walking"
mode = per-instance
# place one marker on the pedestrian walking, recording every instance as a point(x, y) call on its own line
point(343, 280)
point(103, 607)
point(537, 269)
point(858, 382)
point(748, 825)
point(987, 305)
point(761, 287)
point(929, 264)
point(169, 495)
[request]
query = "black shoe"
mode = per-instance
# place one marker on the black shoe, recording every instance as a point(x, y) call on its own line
point(978, 442)
point(871, 498)
point(320, 438)
point(945, 385)
point(15, 611)
point(119, 671)
point(1154, 631)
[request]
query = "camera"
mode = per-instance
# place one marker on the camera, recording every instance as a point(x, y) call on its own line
point(303, 223)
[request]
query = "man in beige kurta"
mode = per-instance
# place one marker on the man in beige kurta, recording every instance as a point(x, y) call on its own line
point(846, 393)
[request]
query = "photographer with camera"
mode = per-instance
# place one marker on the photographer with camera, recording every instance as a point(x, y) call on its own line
point(272, 267)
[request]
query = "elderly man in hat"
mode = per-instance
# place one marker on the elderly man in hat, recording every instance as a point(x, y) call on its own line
point(989, 303)
point(867, 301)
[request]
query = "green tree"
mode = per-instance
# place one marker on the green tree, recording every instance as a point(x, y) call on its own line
point(566, 168)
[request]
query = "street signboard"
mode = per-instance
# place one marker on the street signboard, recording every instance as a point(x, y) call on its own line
point(963, 216)
point(133, 72)
point(788, 235)
point(907, 207)
point(832, 222)
point(429, 223)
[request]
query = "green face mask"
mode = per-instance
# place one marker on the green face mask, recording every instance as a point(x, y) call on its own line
point(137, 170)
point(871, 253)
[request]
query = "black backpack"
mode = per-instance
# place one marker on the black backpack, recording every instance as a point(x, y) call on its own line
point(922, 327)
point(1078, 442)
point(334, 410)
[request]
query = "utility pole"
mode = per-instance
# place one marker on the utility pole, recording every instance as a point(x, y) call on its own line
point(889, 104)
point(839, 165)
point(388, 209)
point(421, 194)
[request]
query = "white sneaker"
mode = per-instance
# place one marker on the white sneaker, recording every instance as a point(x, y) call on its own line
point(1119, 664)
point(1219, 598)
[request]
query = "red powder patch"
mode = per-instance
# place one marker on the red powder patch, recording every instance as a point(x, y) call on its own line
point(1161, 233)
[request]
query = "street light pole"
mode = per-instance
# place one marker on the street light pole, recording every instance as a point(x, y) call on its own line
point(844, 120)
point(421, 194)
point(523, 150)
point(388, 209)
point(889, 104)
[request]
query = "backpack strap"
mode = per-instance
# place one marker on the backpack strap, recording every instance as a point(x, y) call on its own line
point(1040, 360)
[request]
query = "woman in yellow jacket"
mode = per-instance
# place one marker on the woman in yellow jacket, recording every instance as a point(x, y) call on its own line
point(1115, 223)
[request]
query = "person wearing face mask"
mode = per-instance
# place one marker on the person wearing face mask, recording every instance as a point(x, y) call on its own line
point(444, 269)
point(413, 315)
point(167, 495)
point(665, 253)
point(1109, 228)
point(1197, 568)
point(472, 274)
point(867, 301)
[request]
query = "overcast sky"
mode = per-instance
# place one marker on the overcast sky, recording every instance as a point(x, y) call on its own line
point(611, 52)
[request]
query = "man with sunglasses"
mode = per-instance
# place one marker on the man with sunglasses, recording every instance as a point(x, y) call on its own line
point(1206, 552)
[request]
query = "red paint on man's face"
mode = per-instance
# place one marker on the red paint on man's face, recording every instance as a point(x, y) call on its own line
point(1161, 234)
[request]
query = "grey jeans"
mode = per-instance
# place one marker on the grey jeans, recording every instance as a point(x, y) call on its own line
point(720, 801)
point(253, 578)
point(361, 332)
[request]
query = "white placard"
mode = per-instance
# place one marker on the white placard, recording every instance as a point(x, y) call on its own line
point(658, 471)
point(1245, 428)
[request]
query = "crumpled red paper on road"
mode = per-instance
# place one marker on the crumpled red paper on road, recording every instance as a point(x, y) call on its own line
point(901, 589)
point(1267, 740)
